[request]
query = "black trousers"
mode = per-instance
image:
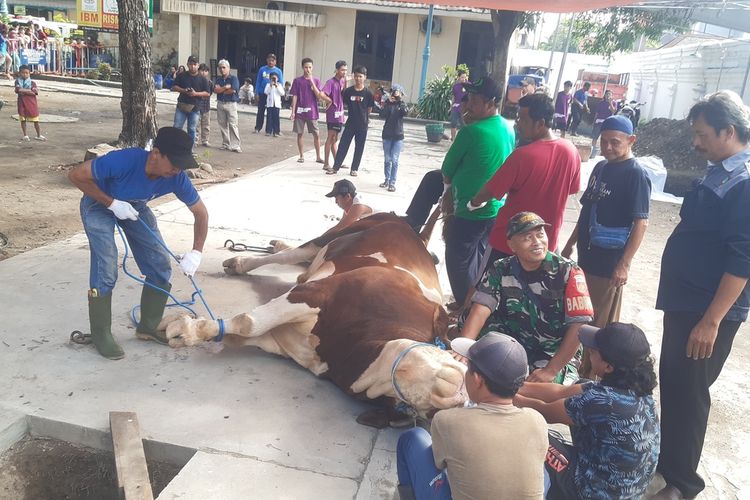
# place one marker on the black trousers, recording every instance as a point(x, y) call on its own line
point(262, 99)
point(360, 137)
point(427, 194)
point(465, 244)
point(685, 399)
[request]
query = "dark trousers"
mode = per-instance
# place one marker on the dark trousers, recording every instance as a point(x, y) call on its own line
point(359, 136)
point(577, 115)
point(427, 194)
point(465, 243)
point(685, 399)
point(273, 125)
point(262, 99)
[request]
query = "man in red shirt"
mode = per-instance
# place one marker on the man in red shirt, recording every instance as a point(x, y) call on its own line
point(537, 177)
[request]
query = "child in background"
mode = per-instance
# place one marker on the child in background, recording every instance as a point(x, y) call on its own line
point(247, 92)
point(393, 111)
point(286, 98)
point(205, 108)
point(275, 93)
point(28, 109)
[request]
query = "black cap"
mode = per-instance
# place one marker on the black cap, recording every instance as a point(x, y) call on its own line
point(523, 222)
point(485, 86)
point(176, 145)
point(620, 344)
point(342, 187)
point(192, 59)
point(498, 356)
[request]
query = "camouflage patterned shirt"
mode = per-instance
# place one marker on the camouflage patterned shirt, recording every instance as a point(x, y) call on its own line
point(536, 307)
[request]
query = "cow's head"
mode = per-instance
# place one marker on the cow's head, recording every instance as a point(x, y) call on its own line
point(423, 376)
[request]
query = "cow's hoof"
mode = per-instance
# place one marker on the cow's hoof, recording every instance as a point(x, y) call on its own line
point(279, 245)
point(170, 318)
point(183, 332)
point(381, 418)
point(233, 266)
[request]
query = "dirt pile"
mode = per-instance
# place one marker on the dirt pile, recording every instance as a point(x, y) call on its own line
point(671, 140)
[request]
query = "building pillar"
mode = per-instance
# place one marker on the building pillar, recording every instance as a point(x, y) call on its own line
point(291, 42)
point(203, 40)
point(184, 38)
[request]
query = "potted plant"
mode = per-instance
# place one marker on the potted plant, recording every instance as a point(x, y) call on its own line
point(435, 104)
point(105, 71)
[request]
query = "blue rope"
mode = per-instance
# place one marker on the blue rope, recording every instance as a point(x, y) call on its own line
point(185, 305)
point(220, 336)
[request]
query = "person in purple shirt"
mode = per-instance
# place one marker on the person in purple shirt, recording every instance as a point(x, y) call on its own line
point(562, 108)
point(604, 110)
point(305, 108)
point(457, 119)
point(330, 94)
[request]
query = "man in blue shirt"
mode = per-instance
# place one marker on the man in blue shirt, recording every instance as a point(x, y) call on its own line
point(703, 286)
point(579, 106)
point(263, 79)
point(116, 189)
point(227, 88)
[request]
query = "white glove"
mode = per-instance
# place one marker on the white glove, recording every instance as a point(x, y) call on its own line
point(123, 210)
point(190, 261)
point(471, 207)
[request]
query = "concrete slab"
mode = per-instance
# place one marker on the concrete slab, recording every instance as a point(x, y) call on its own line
point(236, 402)
point(227, 477)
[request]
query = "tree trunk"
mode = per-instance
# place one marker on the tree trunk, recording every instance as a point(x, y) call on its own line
point(504, 24)
point(138, 99)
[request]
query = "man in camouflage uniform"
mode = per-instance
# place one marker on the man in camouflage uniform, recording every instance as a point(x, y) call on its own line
point(536, 297)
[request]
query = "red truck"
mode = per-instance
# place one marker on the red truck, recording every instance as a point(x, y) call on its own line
point(616, 82)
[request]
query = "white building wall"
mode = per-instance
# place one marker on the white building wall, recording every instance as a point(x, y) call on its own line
point(324, 45)
point(410, 46)
point(670, 81)
point(327, 45)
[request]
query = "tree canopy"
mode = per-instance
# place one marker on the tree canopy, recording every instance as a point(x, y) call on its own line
point(608, 31)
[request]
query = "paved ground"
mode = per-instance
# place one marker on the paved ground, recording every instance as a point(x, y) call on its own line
point(263, 427)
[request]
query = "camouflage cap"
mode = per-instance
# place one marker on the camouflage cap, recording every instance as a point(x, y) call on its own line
point(523, 222)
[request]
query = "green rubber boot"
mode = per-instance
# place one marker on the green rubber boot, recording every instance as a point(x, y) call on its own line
point(100, 320)
point(152, 310)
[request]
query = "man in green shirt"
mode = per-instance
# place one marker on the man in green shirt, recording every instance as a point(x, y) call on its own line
point(477, 152)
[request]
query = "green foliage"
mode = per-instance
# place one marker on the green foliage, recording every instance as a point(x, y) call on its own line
point(435, 104)
point(105, 71)
point(92, 74)
point(618, 29)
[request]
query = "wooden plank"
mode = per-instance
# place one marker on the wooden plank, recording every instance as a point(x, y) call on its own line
point(130, 459)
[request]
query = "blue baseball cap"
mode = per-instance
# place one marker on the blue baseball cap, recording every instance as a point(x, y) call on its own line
point(619, 123)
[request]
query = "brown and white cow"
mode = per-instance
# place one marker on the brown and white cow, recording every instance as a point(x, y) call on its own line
point(370, 293)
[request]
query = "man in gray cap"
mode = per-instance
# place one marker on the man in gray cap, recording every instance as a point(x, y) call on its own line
point(490, 450)
point(116, 189)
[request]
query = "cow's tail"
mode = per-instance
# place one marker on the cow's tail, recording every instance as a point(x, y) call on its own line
point(429, 226)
